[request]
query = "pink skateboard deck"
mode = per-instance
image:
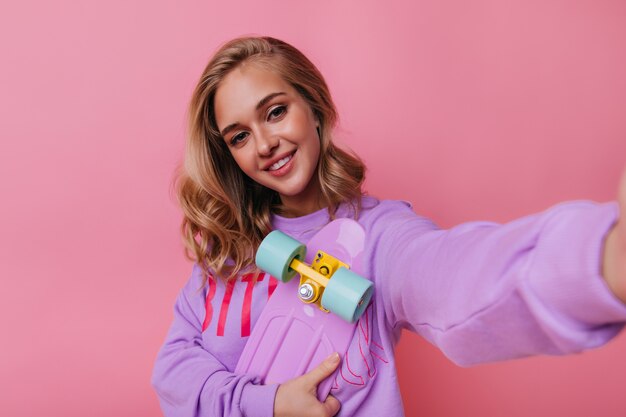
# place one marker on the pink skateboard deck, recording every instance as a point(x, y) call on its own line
point(291, 337)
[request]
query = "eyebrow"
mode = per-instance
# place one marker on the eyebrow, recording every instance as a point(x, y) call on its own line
point(259, 105)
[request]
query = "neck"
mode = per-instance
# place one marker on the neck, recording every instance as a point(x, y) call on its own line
point(306, 202)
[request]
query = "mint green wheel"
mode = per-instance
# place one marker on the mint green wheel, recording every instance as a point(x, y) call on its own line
point(275, 254)
point(347, 294)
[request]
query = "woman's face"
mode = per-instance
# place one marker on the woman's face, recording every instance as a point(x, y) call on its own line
point(272, 134)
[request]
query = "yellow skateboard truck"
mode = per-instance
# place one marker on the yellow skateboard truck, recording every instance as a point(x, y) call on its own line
point(314, 279)
point(327, 282)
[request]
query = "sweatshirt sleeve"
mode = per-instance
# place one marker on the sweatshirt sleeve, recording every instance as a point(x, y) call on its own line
point(191, 382)
point(485, 292)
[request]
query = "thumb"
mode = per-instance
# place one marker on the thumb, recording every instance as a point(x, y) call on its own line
point(323, 370)
point(332, 405)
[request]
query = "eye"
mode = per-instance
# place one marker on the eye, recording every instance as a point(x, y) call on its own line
point(277, 112)
point(238, 138)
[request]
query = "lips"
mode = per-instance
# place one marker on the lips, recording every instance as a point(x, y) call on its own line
point(279, 162)
point(282, 165)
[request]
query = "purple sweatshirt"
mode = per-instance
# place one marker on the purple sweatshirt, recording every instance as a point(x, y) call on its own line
point(480, 292)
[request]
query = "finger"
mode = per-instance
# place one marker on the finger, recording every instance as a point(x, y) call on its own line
point(332, 405)
point(323, 370)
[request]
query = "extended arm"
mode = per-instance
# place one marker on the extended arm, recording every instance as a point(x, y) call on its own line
point(486, 292)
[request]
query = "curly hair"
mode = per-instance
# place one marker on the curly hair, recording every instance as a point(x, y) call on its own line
point(226, 214)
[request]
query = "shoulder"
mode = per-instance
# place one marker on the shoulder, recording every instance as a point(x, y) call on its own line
point(196, 281)
point(389, 215)
point(196, 289)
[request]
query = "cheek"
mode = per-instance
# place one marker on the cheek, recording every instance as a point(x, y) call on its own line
point(315, 141)
point(300, 126)
point(243, 160)
point(317, 152)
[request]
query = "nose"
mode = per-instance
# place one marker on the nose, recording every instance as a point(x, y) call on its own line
point(266, 143)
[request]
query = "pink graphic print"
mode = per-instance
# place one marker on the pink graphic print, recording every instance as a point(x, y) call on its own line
point(360, 361)
point(209, 299)
point(227, 298)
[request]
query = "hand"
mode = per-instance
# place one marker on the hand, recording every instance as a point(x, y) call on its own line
point(614, 259)
point(298, 396)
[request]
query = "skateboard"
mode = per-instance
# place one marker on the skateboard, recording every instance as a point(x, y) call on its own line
point(309, 318)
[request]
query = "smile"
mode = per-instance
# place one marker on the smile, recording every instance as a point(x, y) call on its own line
point(279, 164)
point(282, 167)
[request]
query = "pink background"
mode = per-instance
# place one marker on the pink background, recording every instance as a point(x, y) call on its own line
point(481, 110)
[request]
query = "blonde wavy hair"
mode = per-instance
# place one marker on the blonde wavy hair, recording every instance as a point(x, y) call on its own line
point(226, 214)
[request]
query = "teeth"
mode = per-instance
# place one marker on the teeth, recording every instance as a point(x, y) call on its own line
point(280, 163)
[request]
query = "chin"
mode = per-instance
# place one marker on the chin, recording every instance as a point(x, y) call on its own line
point(290, 188)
